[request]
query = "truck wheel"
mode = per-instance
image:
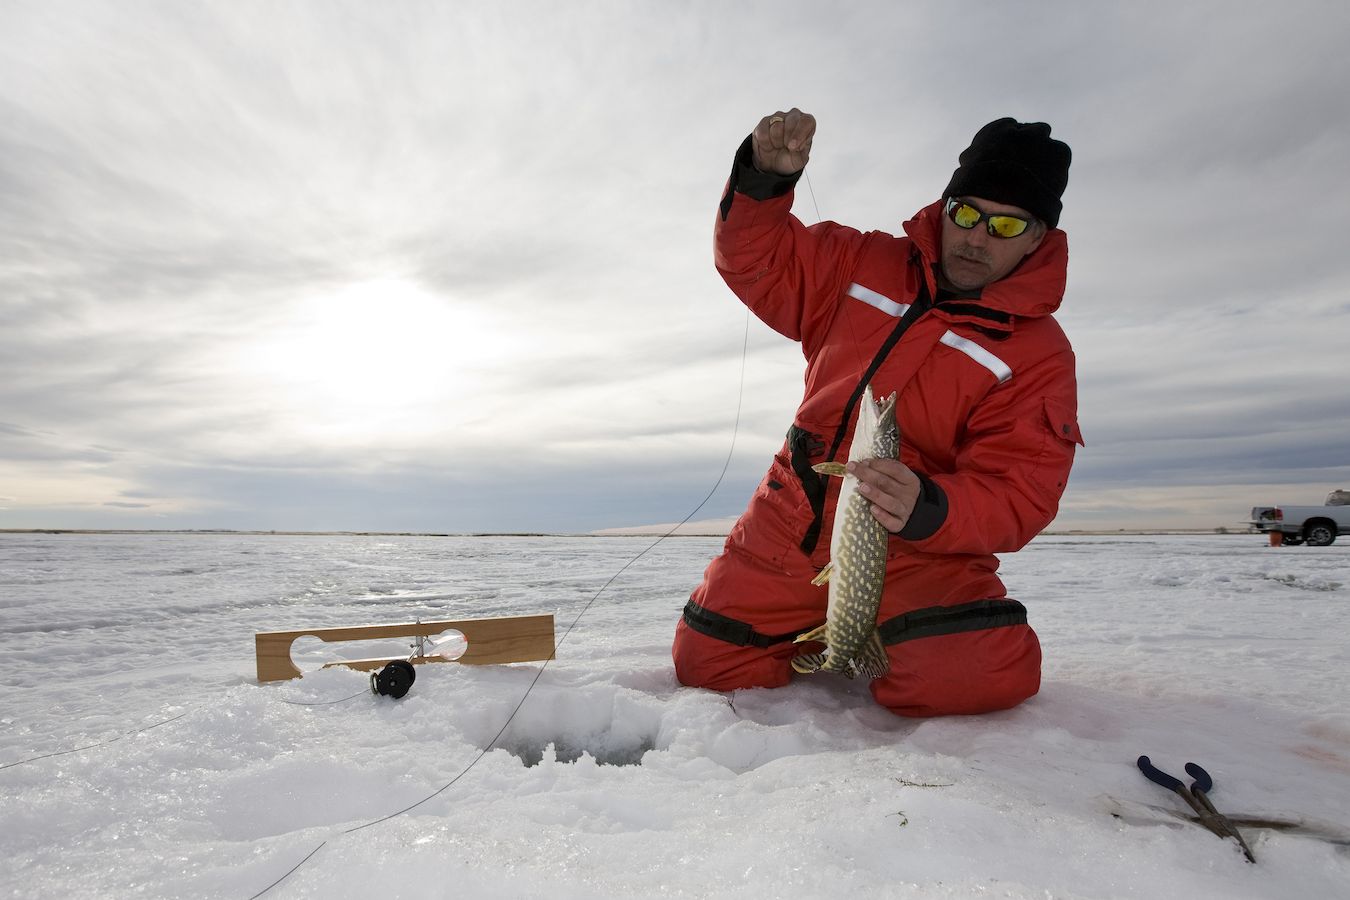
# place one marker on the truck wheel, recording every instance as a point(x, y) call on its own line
point(1320, 533)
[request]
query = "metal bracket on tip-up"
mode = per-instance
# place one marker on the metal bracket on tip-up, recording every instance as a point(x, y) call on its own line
point(505, 639)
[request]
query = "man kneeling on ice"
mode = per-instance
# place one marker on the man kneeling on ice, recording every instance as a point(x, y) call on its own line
point(954, 320)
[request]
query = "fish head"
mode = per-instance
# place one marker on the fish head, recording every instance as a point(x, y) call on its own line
point(886, 438)
point(876, 434)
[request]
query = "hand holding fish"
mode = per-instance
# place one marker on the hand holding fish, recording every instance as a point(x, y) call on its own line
point(782, 142)
point(890, 486)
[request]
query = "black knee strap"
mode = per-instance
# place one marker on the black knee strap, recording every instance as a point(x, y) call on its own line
point(934, 621)
point(725, 628)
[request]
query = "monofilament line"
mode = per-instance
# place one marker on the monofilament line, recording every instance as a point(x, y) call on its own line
point(114, 740)
point(809, 187)
point(726, 465)
point(862, 362)
point(98, 744)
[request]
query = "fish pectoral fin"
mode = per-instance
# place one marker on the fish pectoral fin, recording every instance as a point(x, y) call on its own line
point(873, 661)
point(815, 634)
point(830, 468)
point(824, 575)
point(808, 663)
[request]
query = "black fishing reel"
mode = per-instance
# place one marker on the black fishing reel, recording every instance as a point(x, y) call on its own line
point(394, 679)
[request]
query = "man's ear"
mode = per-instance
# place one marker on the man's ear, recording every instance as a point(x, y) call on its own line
point(1041, 232)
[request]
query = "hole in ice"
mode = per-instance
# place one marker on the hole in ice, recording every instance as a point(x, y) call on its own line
point(602, 748)
point(612, 727)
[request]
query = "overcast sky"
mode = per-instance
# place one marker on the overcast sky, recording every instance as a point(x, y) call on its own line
point(446, 266)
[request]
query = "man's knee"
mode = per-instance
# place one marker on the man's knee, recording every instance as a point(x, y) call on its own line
point(962, 674)
point(707, 662)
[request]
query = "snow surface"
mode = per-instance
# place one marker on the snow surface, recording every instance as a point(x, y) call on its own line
point(614, 781)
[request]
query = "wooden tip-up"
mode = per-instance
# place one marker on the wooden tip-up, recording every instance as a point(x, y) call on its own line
point(506, 639)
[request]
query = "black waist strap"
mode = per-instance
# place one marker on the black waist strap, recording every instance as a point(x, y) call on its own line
point(724, 628)
point(932, 621)
point(939, 620)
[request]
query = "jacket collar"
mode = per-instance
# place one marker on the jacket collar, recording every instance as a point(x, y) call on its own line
point(1032, 290)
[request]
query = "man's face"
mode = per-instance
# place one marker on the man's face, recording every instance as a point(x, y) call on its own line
point(973, 258)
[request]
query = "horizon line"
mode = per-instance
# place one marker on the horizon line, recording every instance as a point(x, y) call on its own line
point(638, 531)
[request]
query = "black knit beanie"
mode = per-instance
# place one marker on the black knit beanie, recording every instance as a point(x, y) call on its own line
point(1015, 163)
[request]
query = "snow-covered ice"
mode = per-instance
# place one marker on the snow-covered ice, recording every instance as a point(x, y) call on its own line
point(614, 781)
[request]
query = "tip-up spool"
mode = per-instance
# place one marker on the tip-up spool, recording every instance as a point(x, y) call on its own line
point(394, 679)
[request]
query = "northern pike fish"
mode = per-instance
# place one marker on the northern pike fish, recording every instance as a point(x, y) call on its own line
point(857, 567)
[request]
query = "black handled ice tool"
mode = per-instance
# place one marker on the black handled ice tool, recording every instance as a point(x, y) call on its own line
point(1197, 797)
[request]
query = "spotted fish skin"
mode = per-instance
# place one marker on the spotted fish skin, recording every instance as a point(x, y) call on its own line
point(858, 546)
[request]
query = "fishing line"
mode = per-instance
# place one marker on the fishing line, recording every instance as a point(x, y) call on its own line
point(100, 743)
point(809, 187)
point(857, 347)
point(726, 465)
point(119, 737)
point(325, 702)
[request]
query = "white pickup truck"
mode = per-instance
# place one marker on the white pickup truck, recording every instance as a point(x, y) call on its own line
point(1317, 526)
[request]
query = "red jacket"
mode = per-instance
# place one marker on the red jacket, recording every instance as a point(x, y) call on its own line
point(987, 397)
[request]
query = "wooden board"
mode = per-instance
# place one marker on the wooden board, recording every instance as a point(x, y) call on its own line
point(505, 639)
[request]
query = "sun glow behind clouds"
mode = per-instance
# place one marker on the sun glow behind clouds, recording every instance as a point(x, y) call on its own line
point(381, 359)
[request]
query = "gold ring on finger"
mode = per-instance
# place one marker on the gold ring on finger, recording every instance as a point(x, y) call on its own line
point(775, 119)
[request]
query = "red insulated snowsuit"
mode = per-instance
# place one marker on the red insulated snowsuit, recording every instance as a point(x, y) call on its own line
point(987, 410)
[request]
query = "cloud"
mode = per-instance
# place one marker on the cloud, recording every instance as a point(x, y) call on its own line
point(187, 195)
